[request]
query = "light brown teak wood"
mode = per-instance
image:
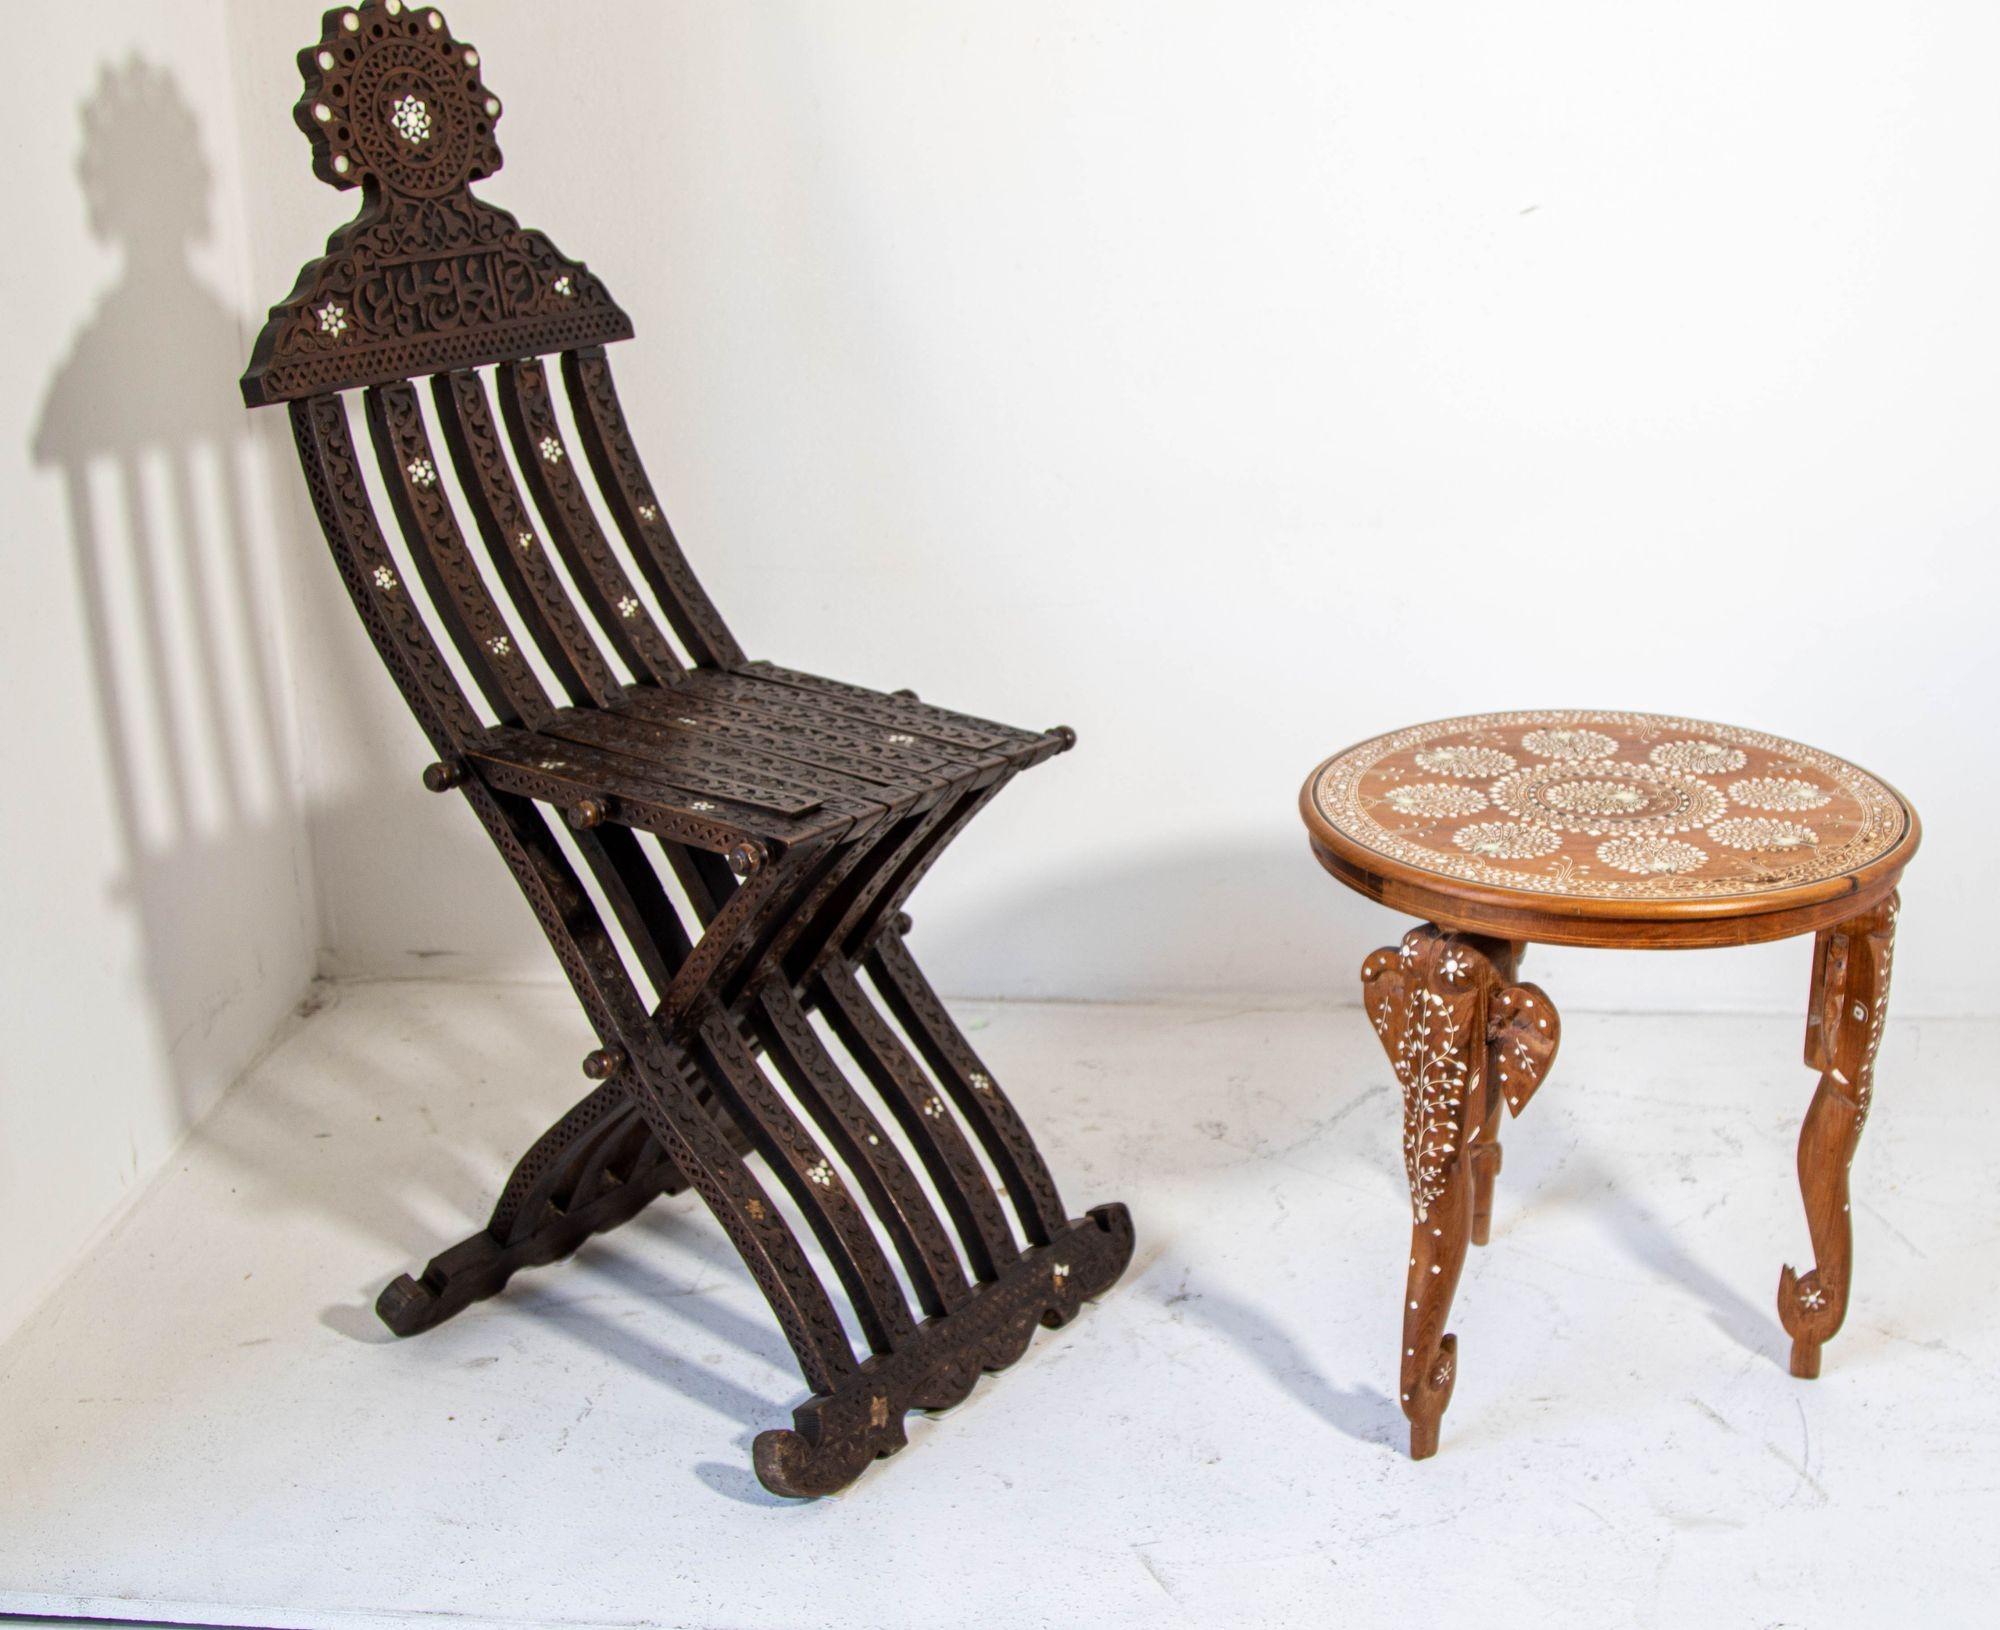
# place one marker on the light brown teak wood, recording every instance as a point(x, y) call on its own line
point(1618, 830)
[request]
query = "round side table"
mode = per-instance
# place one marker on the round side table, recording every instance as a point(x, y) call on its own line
point(1621, 830)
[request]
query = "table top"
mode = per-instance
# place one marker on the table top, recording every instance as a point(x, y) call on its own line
point(1599, 828)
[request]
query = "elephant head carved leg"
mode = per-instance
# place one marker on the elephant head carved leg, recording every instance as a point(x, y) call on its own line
point(1462, 1039)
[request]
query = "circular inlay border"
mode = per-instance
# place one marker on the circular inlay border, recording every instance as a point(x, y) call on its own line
point(1599, 797)
point(1853, 819)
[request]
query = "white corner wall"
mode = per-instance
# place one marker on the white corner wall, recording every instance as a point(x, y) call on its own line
point(155, 879)
point(1233, 382)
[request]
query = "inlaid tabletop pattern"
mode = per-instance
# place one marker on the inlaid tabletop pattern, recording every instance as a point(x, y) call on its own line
point(1608, 806)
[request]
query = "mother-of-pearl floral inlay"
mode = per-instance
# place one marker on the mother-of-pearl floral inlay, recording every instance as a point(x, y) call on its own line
point(1775, 792)
point(1761, 833)
point(1566, 743)
point(1647, 857)
point(412, 119)
point(1697, 757)
point(1483, 762)
point(1437, 798)
point(1605, 806)
point(1507, 840)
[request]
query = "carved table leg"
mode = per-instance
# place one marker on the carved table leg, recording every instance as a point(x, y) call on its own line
point(1452, 1024)
point(1484, 1156)
point(1850, 996)
point(1484, 1148)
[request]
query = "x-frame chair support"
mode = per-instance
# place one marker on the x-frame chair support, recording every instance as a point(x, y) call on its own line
point(680, 1107)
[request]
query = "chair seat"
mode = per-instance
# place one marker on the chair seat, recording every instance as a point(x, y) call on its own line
point(772, 753)
point(1606, 828)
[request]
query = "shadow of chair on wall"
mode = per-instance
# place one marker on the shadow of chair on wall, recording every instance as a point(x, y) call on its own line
point(166, 487)
point(171, 490)
point(140, 423)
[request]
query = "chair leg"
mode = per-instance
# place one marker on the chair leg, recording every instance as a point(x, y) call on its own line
point(686, 1097)
point(1066, 1263)
point(886, 903)
point(1850, 999)
point(1451, 1024)
point(1024, 1175)
point(595, 1168)
point(837, 1433)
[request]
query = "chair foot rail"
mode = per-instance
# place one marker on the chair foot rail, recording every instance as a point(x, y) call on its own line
point(835, 1435)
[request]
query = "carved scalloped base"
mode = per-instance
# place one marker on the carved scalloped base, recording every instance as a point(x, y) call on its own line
point(480, 1266)
point(835, 1436)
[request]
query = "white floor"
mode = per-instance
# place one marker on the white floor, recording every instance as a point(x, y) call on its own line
point(207, 1424)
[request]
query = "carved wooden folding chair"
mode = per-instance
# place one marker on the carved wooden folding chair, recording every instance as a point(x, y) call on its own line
point(753, 832)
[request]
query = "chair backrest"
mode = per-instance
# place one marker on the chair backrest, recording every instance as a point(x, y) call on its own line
point(520, 577)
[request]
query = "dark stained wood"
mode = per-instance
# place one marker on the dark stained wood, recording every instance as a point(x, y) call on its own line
point(575, 678)
point(1608, 829)
point(427, 277)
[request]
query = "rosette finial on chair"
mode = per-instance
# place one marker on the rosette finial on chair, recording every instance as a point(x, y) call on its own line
point(393, 100)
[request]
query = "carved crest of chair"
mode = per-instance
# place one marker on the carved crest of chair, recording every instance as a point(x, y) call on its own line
point(748, 832)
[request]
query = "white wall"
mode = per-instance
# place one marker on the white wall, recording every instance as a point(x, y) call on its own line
point(154, 876)
point(1234, 381)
